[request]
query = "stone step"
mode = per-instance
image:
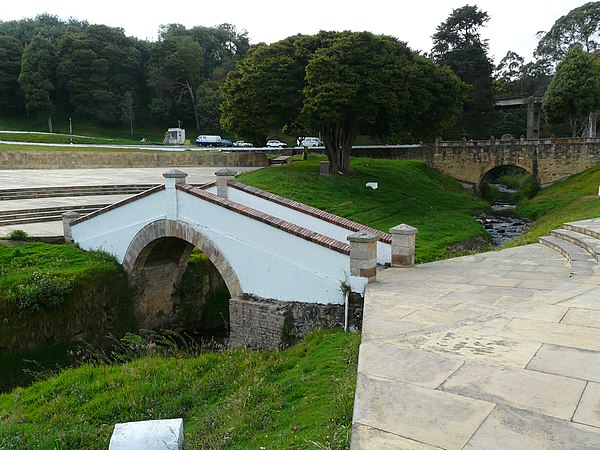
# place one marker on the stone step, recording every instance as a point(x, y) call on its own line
point(582, 263)
point(44, 214)
point(72, 191)
point(591, 227)
point(588, 243)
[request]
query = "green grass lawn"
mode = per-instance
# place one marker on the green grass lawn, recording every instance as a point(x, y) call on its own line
point(301, 397)
point(575, 198)
point(409, 192)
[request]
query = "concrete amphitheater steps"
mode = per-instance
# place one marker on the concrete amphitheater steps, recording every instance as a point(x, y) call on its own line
point(72, 191)
point(579, 242)
point(38, 215)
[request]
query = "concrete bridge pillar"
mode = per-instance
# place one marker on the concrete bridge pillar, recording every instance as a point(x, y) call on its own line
point(67, 218)
point(363, 254)
point(172, 178)
point(403, 245)
point(223, 177)
point(534, 112)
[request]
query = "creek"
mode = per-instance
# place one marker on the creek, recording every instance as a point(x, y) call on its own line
point(502, 223)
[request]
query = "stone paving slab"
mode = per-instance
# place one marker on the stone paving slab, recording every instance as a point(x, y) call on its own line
point(527, 339)
point(538, 392)
point(517, 429)
point(407, 365)
point(424, 415)
point(381, 440)
point(588, 411)
point(567, 361)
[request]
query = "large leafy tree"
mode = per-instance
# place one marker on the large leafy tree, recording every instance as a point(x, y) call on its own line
point(97, 67)
point(11, 51)
point(574, 92)
point(458, 44)
point(174, 73)
point(37, 78)
point(580, 26)
point(340, 84)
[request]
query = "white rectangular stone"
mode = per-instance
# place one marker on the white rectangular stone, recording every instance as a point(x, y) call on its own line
point(164, 434)
point(567, 361)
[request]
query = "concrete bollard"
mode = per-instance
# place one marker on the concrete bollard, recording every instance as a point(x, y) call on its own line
point(223, 177)
point(173, 177)
point(403, 245)
point(363, 255)
point(67, 218)
point(148, 435)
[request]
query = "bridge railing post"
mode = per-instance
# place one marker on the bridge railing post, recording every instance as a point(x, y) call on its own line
point(223, 177)
point(67, 218)
point(173, 177)
point(403, 245)
point(363, 254)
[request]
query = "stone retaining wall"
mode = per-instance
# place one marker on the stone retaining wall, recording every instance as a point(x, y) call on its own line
point(73, 159)
point(270, 324)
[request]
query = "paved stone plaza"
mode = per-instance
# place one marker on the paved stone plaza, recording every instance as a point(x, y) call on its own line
point(499, 350)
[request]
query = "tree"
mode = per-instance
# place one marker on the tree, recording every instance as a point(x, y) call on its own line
point(128, 110)
point(458, 44)
point(580, 26)
point(11, 51)
point(574, 92)
point(340, 84)
point(38, 74)
point(174, 72)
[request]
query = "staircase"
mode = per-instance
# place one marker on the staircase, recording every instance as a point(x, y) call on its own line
point(51, 214)
point(73, 191)
point(579, 242)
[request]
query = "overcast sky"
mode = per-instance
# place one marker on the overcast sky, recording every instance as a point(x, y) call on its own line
point(512, 26)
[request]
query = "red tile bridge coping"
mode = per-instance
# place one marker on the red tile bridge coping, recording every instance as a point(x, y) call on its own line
point(268, 219)
point(311, 211)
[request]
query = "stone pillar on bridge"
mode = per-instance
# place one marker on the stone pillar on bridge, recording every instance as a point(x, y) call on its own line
point(173, 177)
point(67, 218)
point(363, 255)
point(403, 245)
point(223, 177)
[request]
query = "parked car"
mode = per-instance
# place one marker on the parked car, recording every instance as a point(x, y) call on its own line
point(242, 144)
point(226, 143)
point(208, 141)
point(275, 143)
point(311, 142)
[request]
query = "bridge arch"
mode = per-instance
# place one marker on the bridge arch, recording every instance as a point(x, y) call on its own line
point(156, 260)
point(491, 167)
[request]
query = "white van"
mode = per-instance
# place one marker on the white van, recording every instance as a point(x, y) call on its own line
point(208, 141)
point(311, 142)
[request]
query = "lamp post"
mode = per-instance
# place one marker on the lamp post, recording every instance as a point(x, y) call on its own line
point(71, 130)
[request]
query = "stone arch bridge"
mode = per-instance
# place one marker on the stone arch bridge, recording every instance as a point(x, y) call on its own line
point(548, 160)
point(288, 267)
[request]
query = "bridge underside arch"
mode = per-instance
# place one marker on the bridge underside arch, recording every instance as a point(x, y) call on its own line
point(491, 168)
point(156, 260)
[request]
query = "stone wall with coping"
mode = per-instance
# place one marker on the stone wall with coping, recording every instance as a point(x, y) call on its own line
point(269, 324)
point(73, 159)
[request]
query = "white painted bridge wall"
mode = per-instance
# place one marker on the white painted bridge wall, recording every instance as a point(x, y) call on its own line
point(384, 250)
point(268, 262)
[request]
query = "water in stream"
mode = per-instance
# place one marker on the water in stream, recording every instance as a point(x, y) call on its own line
point(502, 224)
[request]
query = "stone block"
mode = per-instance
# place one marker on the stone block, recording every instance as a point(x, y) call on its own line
point(324, 168)
point(148, 435)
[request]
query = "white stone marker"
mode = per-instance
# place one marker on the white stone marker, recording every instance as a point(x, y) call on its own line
point(148, 435)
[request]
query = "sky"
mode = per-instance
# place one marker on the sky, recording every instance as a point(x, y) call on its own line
point(513, 23)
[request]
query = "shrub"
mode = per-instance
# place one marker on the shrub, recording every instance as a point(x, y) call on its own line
point(40, 291)
point(18, 235)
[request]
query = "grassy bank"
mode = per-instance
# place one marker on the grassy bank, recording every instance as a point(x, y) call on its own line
point(575, 198)
point(408, 192)
point(298, 398)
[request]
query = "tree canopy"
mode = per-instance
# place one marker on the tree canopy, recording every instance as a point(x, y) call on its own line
point(580, 26)
point(574, 92)
point(457, 43)
point(340, 84)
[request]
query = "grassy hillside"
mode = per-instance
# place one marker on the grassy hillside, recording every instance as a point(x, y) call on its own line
point(409, 192)
point(298, 398)
point(575, 198)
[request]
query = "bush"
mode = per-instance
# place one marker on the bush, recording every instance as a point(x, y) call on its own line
point(42, 290)
point(18, 235)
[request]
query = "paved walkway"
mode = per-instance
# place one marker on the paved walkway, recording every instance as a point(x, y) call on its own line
point(21, 179)
point(499, 350)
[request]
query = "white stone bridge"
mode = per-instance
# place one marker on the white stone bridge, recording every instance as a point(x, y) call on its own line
point(287, 266)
